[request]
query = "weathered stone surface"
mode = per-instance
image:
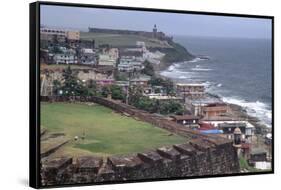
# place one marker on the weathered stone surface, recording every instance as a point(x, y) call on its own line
point(150, 157)
point(218, 140)
point(57, 164)
point(51, 169)
point(105, 174)
point(125, 162)
point(169, 152)
point(185, 149)
point(89, 164)
point(201, 144)
point(46, 150)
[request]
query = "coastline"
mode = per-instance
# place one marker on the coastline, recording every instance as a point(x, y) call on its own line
point(176, 54)
point(238, 111)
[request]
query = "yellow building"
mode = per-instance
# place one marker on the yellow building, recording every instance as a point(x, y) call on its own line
point(73, 35)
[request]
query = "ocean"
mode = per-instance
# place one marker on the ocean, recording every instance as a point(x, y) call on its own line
point(238, 70)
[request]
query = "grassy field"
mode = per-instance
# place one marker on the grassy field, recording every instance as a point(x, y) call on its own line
point(122, 40)
point(106, 132)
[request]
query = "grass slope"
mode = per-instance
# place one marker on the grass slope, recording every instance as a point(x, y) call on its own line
point(117, 40)
point(107, 132)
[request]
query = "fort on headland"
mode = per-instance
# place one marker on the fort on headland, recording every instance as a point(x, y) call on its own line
point(154, 34)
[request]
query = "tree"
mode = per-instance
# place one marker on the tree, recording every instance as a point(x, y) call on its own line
point(146, 104)
point(105, 91)
point(72, 86)
point(117, 93)
point(119, 77)
point(148, 69)
point(92, 87)
point(56, 87)
point(169, 86)
point(171, 107)
point(166, 83)
point(176, 108)
point(135, 93)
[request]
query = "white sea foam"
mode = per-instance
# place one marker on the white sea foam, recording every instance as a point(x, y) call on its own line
point(171, 68)
point(200, 69)
point(219, 85)
point(177, 65)
point(207, 84)
point(196, 59)
point(182, 77)
point(177, 74)
point(257, 109)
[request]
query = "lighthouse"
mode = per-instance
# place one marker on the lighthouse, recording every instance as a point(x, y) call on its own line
point(155, 31)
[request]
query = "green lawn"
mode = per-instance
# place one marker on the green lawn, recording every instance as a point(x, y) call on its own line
point(121, 40)
point(106, 132)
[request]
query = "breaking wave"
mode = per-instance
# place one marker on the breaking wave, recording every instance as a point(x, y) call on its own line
point(200, 69)
point(196, 60)
point(256, 109)
point(182, 77)
point(177, 74)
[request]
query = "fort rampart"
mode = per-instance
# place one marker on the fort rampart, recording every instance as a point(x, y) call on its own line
point(200, 155)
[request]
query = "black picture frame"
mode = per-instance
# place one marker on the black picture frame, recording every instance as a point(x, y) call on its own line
point(34, 82)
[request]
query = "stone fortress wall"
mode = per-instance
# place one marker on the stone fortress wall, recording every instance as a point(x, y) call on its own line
point(200, 155)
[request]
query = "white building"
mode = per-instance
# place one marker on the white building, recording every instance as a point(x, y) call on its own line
point(106, 60)
point(249, 128)
point(88, 56)
point(129, 63)
point(65, 58)
point(109, 57)
point(153, 55)
point(140, 44)
point(164, 97)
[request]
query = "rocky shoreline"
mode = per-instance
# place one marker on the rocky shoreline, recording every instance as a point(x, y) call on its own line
point(240, 112)
point(237, 110)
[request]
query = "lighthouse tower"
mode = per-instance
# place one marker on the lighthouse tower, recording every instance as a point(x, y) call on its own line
point(154, 31)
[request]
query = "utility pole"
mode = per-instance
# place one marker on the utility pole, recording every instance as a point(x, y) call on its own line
point(129, 86)
point(42, 84)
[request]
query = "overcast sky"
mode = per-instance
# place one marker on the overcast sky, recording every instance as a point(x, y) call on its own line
point(169, 23)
